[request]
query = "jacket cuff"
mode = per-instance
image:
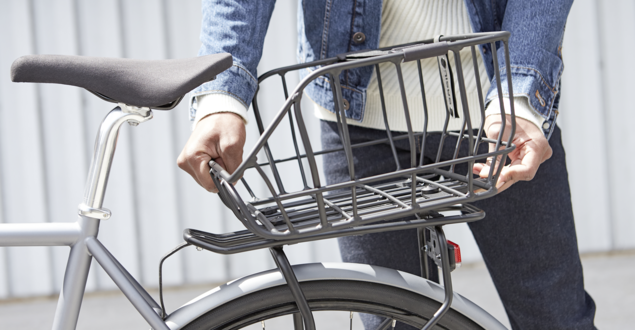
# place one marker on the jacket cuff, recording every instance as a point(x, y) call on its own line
point(528, 83)
point(235, 82)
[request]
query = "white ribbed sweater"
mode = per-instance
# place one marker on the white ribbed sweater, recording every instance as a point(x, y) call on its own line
point(401, 22)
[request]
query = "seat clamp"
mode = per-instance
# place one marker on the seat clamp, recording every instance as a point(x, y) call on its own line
point(87, 211)
point(145, 112)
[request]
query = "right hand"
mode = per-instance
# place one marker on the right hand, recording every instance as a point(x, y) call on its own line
point(219, 136)
point(532, 149)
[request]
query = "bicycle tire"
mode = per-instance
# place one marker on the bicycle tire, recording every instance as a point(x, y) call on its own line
point(339, 295)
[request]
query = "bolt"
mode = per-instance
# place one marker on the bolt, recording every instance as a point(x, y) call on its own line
point(133, 123)
point(439, 256)
point(198, 248)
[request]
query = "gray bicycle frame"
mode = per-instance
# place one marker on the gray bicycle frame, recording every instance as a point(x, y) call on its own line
point(81, 236)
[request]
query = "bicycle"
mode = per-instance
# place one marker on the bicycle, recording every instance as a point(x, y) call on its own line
point(413, 197)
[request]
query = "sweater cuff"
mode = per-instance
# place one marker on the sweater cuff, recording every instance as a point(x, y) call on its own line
point(214, 103)
point(521, 107)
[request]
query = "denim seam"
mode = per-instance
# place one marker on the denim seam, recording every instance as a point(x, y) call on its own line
point(350, 37)
point(247, 71)
point(560, 53)
point(352, 89)
point(325, 32)
point(475, 17)
point(495, 14)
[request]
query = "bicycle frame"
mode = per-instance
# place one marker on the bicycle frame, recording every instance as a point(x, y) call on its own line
point(81, 236)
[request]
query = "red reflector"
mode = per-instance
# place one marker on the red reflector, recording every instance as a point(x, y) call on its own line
point(457, 253)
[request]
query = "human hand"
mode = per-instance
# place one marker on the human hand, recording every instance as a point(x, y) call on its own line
point(532, 149)
point(219, 136)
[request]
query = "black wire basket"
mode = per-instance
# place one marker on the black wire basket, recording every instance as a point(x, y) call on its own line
point(359, 205)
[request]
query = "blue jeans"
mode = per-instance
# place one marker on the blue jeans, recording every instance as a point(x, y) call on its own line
point(527, 239)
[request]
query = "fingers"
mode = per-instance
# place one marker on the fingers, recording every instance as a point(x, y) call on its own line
point(532, 149)
point(204, 178)
point(196, 165)
point(231, 152)
point(220, 137)
point(522, 169)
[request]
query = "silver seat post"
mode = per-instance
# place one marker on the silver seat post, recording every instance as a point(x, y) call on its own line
point(91, 211)
point(105, 149)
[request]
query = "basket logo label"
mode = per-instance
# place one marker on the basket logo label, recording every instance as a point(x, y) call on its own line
point(447, 80)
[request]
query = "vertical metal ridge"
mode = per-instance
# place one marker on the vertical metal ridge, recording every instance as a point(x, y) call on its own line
point(344, 135)
point(481, 103)
point(293, 136)
point(411, 138)
point(425, 113)
point(385, 116)
point(499, 88)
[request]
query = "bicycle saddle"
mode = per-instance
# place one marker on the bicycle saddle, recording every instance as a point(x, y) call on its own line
point(156, 84)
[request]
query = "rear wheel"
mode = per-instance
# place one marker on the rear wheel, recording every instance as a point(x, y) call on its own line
point(378, 299)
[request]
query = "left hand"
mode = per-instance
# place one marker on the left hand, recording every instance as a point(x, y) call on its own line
point(532, 149)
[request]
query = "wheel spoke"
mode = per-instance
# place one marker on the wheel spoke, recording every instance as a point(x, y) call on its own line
point(351, 328)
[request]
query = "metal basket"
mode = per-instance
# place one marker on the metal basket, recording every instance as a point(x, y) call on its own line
point(350, 207)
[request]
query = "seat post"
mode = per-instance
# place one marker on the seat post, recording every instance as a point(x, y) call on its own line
point(103, 154)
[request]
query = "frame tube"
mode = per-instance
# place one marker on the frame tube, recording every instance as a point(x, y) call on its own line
point(113, 269)
point(75, 276)
point(39, 234)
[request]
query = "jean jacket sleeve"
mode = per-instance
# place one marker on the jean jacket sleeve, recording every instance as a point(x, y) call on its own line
point(237, 27)
point(535, 46)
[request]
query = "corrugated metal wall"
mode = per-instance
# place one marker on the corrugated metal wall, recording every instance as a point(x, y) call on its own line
point(47, 133)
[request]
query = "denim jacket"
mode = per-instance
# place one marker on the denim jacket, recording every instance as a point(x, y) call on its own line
point(326, 29)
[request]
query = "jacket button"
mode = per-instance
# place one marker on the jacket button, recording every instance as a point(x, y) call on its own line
point(359, 37)
point(346, 104)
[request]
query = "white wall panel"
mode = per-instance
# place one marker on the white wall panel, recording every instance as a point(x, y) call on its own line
point(4, 265)
point(583, 124)
point(617, 44)
point(29, 270)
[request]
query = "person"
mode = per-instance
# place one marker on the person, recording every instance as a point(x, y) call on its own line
point(528, 239)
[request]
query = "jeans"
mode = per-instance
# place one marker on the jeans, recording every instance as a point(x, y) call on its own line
point(527, 239)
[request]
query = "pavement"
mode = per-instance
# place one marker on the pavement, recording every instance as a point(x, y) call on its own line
point(609, 279)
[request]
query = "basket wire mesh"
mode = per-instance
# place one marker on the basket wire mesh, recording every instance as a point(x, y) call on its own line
point(418, 192)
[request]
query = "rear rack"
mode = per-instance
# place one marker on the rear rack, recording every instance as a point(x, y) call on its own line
point(245, 240)
point(317, 210)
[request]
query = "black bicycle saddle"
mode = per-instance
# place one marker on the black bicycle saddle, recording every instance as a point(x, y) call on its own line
point(156, 84)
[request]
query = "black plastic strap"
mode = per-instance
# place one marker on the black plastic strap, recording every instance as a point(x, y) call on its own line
point(425, 51)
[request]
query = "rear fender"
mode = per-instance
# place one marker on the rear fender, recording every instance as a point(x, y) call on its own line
point(327, 271)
